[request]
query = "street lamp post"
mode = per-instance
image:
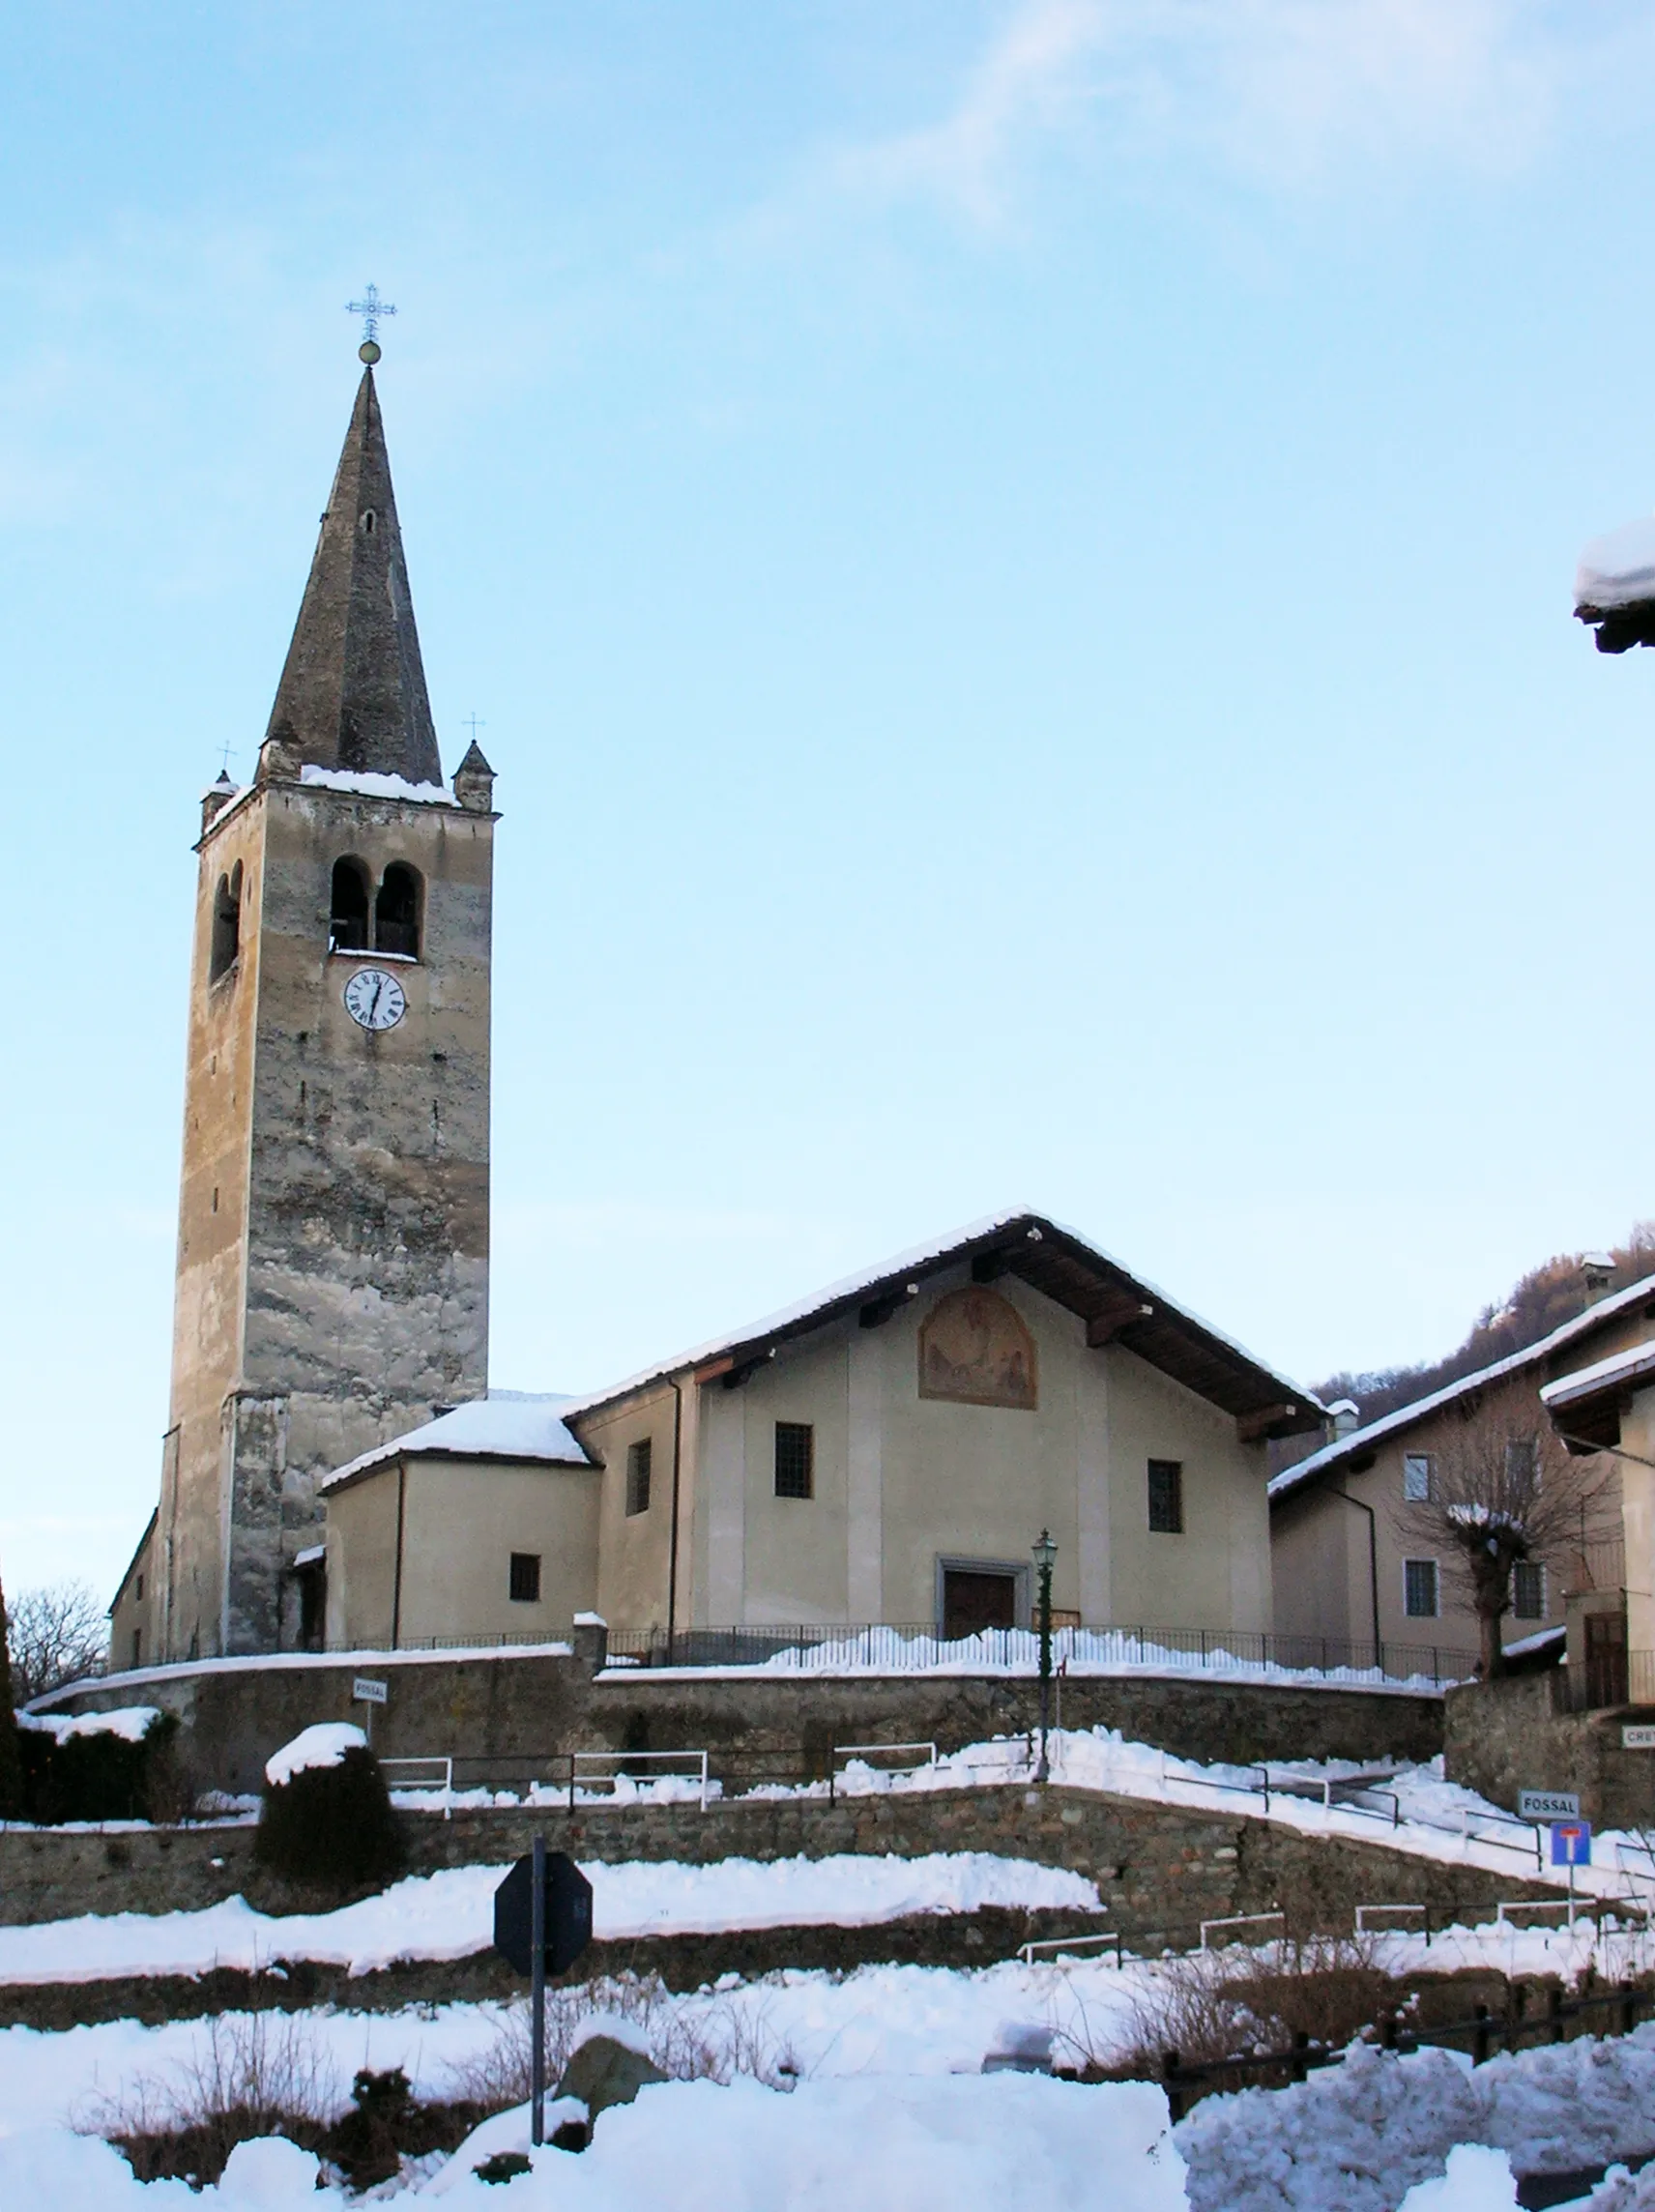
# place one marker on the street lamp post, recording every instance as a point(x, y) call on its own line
point(1045, 1552)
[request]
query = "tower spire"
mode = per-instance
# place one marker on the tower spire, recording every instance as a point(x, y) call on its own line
point(353, 692)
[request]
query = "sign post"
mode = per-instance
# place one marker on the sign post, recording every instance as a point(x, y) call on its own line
point(366, 1691)
point(1571, 1847)
point(542, 1922)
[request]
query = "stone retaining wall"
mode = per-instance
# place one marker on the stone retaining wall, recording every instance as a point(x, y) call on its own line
point(517, 1705)
point(1160, 1869)
point(1507, 1735)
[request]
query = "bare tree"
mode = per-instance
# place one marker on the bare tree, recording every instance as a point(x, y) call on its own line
point(1503, 1492)
point(54, 1635)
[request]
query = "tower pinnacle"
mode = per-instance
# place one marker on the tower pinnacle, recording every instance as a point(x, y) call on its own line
point(353, 692)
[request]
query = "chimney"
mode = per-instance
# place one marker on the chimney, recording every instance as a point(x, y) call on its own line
point(1597, 1272)
point(1345, 1416)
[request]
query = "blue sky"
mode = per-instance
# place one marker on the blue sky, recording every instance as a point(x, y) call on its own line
point(1014, 561)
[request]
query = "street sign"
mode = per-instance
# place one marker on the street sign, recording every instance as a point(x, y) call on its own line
point(1571, 1843)
point(1548, 1805)
point(542, 1923)
point(567, 1910)
point(1637, 1735)
point(367, 1692)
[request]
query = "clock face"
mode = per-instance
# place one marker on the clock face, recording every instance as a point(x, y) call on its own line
point(375, 999)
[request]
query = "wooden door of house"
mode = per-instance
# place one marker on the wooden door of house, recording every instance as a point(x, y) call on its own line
point(975, 1599)
point(1606, 1658)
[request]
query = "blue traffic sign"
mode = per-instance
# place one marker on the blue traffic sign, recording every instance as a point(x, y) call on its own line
point(1571, 1843)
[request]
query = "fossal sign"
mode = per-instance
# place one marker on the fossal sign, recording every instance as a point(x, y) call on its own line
point(977, 1348)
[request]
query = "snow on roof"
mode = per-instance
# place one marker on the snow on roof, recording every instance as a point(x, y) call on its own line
point(1404, 1417)
point(310, 1554)
point(1618, 568)
point(919, 1259)
point(506, 1425)
point(369, 783)
point(1626, 1366)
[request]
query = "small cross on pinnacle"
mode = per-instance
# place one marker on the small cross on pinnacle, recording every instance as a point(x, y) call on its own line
point(370, 306)
point(474, 722)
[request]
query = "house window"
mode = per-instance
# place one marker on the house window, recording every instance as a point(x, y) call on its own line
point(1416, 1477)
point(1419, 1588)
point(226, 924)
point(525, 1579)
point(1167, 1496)
point(139, 1591)
point(795, 1459)
point(1528, 1590)
point(1520, 1469)
point(638, 1476)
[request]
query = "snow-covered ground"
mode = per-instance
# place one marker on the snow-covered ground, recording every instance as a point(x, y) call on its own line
point(451, 1914)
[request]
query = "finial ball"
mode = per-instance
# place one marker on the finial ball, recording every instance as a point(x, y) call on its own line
point(367, 351)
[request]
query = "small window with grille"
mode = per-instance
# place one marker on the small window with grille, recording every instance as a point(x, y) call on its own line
point(795, 1459)
point(524, 1583)
point(1528, 1590)
point(638, 1457)
point(1416, 1477)
point(1167, 1496)
point(1419, 1588)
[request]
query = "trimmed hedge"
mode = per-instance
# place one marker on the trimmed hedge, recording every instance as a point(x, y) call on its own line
point(98, 1777)
point(332, 1825)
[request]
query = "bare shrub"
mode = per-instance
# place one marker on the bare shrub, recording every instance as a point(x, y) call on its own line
point(700, 2041)
point(1208, 2005)
point(54, 1635)
point(247, 2075)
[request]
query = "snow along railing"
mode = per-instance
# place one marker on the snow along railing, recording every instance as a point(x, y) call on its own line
point(917, 1647)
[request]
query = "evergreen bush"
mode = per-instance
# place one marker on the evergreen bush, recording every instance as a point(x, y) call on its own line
point(332, 1825)
point(99, 1776)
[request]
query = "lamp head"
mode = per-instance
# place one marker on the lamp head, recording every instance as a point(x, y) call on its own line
point(1045, 1552)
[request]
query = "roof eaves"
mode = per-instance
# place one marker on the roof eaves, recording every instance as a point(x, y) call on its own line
point(1403, 1417)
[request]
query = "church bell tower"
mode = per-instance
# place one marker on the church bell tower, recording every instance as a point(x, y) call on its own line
point(333, 1229)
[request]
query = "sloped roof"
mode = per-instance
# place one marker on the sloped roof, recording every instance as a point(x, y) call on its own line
point(1344, 1448)
point(1116, 1306)
point(505, 1425)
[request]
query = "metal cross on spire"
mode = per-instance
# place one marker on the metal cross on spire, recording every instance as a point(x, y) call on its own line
point(370, 306)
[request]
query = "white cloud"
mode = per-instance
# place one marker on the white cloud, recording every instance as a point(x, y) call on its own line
point(1280, 89)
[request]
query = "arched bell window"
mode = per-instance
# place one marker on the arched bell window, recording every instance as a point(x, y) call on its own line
point(396, 912)
point(347, 925)
point(226, 924)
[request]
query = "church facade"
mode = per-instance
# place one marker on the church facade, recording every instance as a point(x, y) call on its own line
point(886, 1452)
point(335, 1469)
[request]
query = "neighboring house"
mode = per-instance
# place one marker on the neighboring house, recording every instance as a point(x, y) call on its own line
point(886, 1451)
point(1347, 1562)
point(1609, 1406)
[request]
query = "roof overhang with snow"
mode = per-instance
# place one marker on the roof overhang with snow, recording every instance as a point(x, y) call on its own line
point(1350, 1454)
point(515, 1427)
point(1587, 1407)
point(1114, 1305)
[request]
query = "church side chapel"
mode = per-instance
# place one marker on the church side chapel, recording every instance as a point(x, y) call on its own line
point(335, 1468)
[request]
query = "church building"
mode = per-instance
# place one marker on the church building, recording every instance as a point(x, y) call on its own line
point(335, 1469)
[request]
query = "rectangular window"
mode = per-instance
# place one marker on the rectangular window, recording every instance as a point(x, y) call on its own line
point(638, 1476)
point(1167, 1496)
point(1416, 1477)
point(1520, 1468)
point(795, 1459)
point(1528, 1590)
point(524, 1581)
point(138, 1592)
point(137, 1648)
point(1419, 1588)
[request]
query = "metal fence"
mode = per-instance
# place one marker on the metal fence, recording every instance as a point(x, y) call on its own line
point(917, 1647)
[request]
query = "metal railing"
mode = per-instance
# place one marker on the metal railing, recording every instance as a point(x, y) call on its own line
point(1060, 1947)
point(816, 1647)
point(439, 1776)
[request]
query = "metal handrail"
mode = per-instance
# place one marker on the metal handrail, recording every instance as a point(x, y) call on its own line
point(1241, 1920)
point(446, 1784)
point(1058, 1944)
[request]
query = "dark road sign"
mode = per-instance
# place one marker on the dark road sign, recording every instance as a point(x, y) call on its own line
point(567, 1910)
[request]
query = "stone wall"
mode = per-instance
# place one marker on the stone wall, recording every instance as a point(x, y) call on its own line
point(1160, 1869)
point(518, 1705)
point(1507, 1735)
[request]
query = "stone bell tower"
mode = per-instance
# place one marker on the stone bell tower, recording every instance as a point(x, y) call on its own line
point(333, 1229)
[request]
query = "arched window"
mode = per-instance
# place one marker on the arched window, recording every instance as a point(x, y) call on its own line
point(347, 927)
point(226, 924)
point(396, 914)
